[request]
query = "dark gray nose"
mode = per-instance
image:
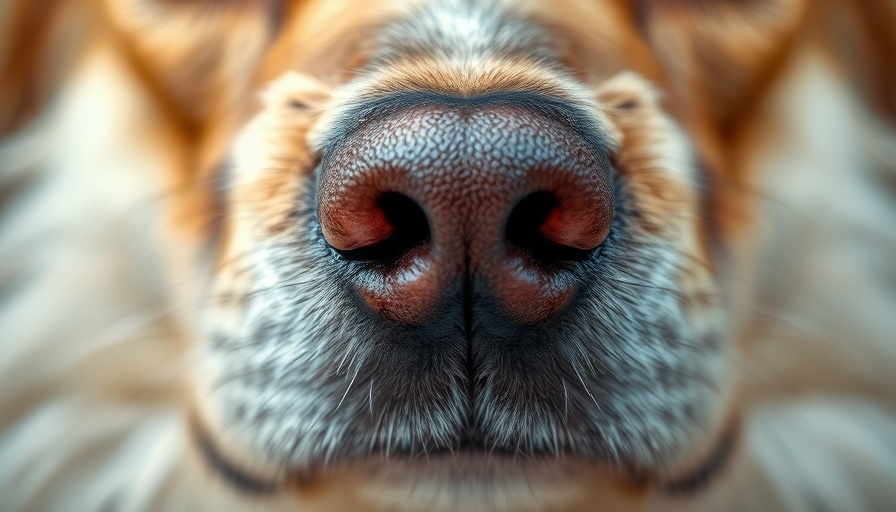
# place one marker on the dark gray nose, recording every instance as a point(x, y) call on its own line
point(434, 195)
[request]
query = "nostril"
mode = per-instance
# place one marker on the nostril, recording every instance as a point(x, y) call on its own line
point(409, 229)
point(526, 230)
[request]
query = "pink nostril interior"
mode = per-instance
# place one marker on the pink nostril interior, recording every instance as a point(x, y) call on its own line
point(581, 223)
point(351, 218)
point(353, 230)
point(380, 230)
point(554, 226)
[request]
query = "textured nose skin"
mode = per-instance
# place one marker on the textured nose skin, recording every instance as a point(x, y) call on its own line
point(497, 197)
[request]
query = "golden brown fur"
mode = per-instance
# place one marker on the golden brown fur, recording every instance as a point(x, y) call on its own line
point(118, 117)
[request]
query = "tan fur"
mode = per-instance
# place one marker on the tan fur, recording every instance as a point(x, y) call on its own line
point(110, 210)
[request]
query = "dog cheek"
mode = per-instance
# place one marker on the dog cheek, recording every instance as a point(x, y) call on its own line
point(654, 160)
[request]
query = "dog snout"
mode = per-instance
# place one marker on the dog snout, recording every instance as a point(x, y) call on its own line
point(435, 198)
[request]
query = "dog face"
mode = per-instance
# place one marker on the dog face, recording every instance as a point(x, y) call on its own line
point(461, 252)
point(465, 252)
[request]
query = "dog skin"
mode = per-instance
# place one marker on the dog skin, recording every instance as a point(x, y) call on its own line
point(186, 325)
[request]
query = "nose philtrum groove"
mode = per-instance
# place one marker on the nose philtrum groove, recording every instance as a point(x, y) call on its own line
point(472, 430)
point(471, 426)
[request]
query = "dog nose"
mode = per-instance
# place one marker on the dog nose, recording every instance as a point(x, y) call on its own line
point(434, 198)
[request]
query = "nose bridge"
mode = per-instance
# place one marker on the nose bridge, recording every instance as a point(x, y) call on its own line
point(497, 161)
point(466, 167)
point(508, 154)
